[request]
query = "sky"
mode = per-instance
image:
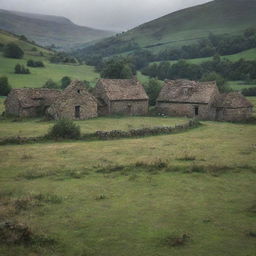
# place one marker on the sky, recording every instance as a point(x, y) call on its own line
point(115, 15)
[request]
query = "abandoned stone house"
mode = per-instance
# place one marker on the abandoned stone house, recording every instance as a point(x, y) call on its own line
point(74, 103)
point(188, 98)
point(233, 106)
point(201, 100)
point(121, 96)
point(29, 102)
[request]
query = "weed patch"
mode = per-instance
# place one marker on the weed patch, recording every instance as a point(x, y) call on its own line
point(176, 241)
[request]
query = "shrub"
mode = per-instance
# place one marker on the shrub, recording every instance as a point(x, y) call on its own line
point(12, 50)
point(64, 129)
point(20, 69)
point(35, 64)
point(65, 81)
point(5, 88)
point(50, 84)
point(249, 91)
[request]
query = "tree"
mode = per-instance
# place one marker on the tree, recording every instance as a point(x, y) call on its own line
point(50, 84)
point(17, 69)
point(118, 68)
point(65, 82)
point(220, 81)
point(5, 87)
point(12, 50)
point(153, 89)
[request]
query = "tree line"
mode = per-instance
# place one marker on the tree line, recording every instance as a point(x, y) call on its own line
point(208, 47)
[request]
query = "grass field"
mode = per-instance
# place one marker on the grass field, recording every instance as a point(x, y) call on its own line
point(95, 207)
point(39, 76)
point(247, 55)
point(35, 127)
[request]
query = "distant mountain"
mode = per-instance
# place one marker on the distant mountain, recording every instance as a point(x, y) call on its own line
point(47, 30)
point(183, 27)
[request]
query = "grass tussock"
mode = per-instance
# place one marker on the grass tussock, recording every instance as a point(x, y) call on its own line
point(187, 157)
point(176, 241)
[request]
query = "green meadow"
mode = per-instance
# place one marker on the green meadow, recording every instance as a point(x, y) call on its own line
point(39, 76)
point(132, 196)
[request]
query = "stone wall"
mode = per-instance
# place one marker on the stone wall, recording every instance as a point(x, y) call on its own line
point(205, 111)
point(12, 106)
point(66, 108)
point(132, 108)
point(233, 114)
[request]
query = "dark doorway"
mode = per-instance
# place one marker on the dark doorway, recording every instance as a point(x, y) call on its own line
point(129, 109)
point(196, 111)
point(77, 111)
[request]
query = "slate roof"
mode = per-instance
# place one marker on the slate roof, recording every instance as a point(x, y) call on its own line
point(187, 91)
point(123, 89)
point(232, 100)
point(33, 97)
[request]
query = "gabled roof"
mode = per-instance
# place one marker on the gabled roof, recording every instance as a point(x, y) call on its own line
point(187, 91)
point(232, 100)
point(33, 97)
point(123, 89)
point(75, 89)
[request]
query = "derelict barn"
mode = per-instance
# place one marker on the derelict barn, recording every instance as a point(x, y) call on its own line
point(29, 102)
point(74, 103)
point(202, 100)
point(188, 98)
point(121, 96)
point(233, 106)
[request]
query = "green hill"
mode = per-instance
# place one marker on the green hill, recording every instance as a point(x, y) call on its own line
point(186, 26)
point(47, 30)
point(39, 76)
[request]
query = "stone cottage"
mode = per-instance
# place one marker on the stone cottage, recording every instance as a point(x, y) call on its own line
point(29, 102)
point(121, 96)
point(202, 100)
point(233, 106)
point(74, 103)
point(188, 98)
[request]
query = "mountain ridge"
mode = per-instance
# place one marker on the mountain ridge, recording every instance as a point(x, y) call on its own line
point(47, 29)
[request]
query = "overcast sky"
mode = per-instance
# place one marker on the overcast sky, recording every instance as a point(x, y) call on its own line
point(105, 14)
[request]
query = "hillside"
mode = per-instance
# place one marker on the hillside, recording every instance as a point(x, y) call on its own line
point(47, 30)
point(185, 26)
point(39, 76)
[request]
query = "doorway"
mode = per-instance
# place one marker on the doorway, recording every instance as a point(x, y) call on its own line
point(196, 111)
point(77, 111)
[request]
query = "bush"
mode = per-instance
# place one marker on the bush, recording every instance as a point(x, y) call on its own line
point(64, 129)
point(153, 89)
point(35, 64)
point(5, 88)
point(20, 69)
point(12, 50)
point(50, 84)
point(249, 91)
point(65, 82)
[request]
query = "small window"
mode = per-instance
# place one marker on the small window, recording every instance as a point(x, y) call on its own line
point(77, 111)
point(78, 91)
point(196, 111)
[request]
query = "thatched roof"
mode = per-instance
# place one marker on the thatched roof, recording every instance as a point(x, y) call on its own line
point(123, 89)
point(33, 97)
point(187, 91)
point(232, 100)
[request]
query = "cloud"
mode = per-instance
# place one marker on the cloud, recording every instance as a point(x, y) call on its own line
point(105, 14)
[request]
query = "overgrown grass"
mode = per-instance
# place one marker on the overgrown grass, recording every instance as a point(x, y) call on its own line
point(145, 194)
point(34, 127)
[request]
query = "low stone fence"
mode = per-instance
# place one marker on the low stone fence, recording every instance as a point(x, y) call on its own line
point(115, 134)
point(109, 135)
